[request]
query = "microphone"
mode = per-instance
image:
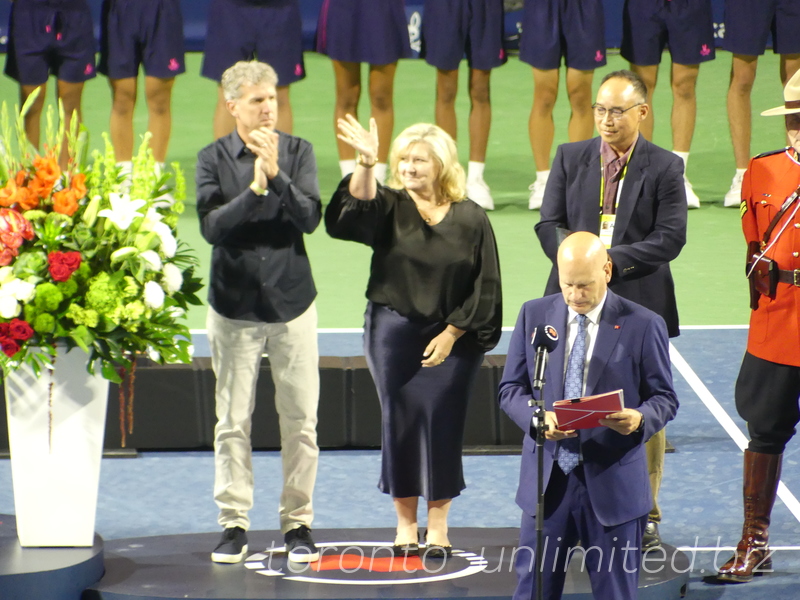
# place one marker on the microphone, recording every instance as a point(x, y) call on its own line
point(544, 340)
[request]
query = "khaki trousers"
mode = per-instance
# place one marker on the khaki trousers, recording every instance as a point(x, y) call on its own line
point(236, 349)
point(655, 448)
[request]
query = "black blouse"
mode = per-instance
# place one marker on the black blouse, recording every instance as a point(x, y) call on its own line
point(445, 272)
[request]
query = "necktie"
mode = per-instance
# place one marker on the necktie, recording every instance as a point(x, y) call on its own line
point(569, 450)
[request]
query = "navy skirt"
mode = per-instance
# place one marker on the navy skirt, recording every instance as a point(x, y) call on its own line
point(423, 409)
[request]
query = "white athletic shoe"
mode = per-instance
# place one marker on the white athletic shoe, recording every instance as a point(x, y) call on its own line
point(692, 201)
point(478, 191)
point(537, 194)
point(734, 195)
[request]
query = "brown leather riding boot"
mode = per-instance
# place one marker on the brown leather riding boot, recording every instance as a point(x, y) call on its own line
point(753, 556)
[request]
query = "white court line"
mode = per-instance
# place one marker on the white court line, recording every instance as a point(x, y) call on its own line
point(725, 420)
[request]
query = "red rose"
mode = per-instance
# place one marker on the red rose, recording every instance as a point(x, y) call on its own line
point(10, 347)
point(63, 264)
point(5, 330)
point(20, 330)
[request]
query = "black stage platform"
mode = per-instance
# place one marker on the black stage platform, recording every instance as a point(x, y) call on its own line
point(45, 573)
point(355, 563)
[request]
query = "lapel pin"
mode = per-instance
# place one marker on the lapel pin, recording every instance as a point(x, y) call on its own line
point(616, 326)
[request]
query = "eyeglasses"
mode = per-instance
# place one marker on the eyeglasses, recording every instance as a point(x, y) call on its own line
point(616, 113)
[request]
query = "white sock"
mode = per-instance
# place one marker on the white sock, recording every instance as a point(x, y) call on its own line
point(125, 167)
point(160, 166)
point(347, 166)
point(475, 171)
point(684, 157)
point(740, 172)
point(380, 172)
point(542, 175)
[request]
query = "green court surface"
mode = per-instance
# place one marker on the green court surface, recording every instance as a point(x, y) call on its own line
point(709, 272)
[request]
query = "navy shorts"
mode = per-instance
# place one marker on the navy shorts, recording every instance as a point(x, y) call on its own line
point(271, 32)
point(50, 37)
point(574, 29)
point(141, 32)
point(452, 29)
point(370, 31)
point(686, 26)
point(748, 24)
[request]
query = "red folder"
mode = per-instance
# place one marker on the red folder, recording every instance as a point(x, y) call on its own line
point(586, 412)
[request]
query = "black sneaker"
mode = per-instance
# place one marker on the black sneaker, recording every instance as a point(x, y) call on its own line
point(232, 547)
point(299, 545)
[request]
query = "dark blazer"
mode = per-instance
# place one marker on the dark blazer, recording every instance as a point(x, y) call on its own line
point(650, 229)
point(632, 353)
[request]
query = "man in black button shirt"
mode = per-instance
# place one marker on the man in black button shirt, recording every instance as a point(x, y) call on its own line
point(257, 194)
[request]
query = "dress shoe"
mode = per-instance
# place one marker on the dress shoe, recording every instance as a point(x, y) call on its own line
point(651, 537)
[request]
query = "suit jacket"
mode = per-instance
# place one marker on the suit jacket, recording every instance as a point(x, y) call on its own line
point(650, 228)
point(631, 352)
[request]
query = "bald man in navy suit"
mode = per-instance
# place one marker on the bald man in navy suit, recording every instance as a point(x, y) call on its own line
point(605, 499)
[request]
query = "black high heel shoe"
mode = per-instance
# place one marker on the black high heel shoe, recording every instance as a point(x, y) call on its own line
point(435, 550)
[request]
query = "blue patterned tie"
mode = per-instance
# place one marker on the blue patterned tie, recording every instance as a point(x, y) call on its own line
point(569, 449)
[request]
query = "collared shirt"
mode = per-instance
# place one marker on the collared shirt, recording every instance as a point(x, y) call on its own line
point(259, 265)
point(613, 174)
point(592, 324)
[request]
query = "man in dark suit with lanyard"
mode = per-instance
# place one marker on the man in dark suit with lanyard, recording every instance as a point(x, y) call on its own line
point(631, 193)
point(596, 481)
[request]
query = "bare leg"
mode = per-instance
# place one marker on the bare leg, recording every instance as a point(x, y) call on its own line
point(649, 75)
point(34, 116)
point(70, 96)
point(224, 122)
point(790, 63)
point(406, 509)
point(159, 107)
point(446, 90)
point(348, 90)
point(437, 522)
point(381, 97)
point(579, 91)
point(743, 75)
point(480, 114)
point(123, 101)
point(684, 105)
point(541, 129)
point(285, 116)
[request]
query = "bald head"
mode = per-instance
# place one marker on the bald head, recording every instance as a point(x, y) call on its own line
point(584, 271)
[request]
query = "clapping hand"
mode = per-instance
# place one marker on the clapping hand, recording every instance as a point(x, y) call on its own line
point(354, 135)
point(264, 144)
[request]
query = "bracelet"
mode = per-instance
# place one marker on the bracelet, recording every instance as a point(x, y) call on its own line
point(361, 162)
point(257, 189)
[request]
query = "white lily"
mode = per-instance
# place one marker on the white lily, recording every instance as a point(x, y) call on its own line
point(123, 210)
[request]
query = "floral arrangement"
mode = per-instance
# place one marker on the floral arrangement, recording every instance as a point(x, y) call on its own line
point(89, 257)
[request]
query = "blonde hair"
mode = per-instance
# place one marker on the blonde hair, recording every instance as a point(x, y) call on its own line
point(246, 72)
point(452, 180)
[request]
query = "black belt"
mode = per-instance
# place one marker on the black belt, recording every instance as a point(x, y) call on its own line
point(790, 277)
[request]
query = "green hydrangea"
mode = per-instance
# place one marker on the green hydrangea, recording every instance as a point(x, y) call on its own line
point(130, 289)
point(44, 324)
point(68, 287)
point(48, 297)
point(102, 295)
point(133, 310)
point(83, 316)
point(82, 274)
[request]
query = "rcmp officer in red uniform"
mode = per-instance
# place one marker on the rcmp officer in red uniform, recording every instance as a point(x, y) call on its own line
point(768, 386)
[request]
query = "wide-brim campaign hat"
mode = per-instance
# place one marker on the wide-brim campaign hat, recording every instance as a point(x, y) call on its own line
point(791, 98)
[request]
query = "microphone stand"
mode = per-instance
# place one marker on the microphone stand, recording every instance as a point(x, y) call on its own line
point(541, 428)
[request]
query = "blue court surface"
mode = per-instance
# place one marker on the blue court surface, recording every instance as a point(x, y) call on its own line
point(163, 493)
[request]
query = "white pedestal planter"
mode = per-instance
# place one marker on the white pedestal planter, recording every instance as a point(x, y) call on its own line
point(56, 484)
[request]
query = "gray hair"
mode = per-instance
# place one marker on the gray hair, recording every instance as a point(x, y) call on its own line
point(246, 72)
